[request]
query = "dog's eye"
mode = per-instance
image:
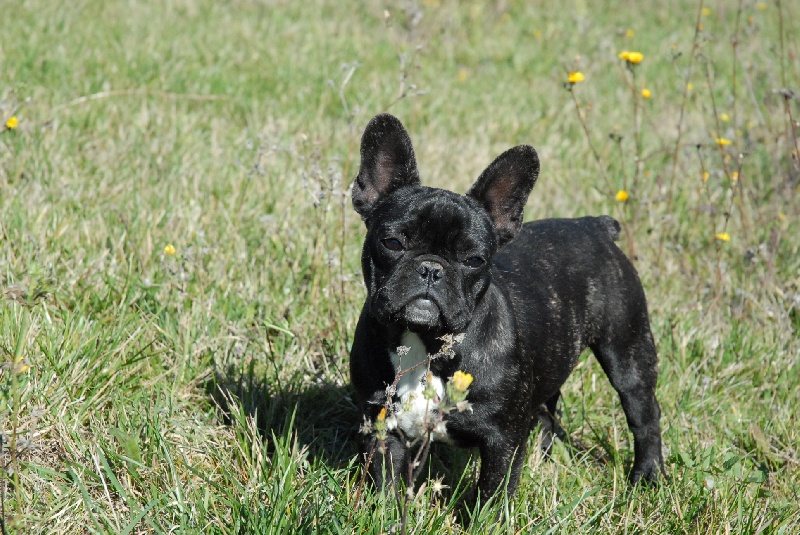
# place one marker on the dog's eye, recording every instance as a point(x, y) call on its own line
point(393, 244)
point(474, 262)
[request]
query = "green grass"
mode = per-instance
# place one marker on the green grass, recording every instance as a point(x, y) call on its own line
point(207, 391)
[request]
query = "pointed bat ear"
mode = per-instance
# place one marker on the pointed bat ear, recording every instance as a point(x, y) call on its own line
point(503, 189)
point(387, 163)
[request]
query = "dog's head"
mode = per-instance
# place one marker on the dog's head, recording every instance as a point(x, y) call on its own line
point(428, 252)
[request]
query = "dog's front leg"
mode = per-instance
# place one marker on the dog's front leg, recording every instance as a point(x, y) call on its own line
point(387, 460)
point(500, 459)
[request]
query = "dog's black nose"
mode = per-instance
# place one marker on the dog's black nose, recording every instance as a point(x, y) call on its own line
point(430, 271)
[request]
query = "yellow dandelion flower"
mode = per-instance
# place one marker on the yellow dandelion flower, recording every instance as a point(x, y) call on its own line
point(12, 122)
point(705, 176)
point(722, 236)
point(629, 33)
point(646, 93)
point(634, 58)
point(723, 142)
point(537, 34)
point(170, 250)
point(689, 86)
point(621, 195)
point(461, 381)
point(463, 74)
point(575, 77)
point(706, 12)
point(724, 117)
point(382, 414)
point(735, 176)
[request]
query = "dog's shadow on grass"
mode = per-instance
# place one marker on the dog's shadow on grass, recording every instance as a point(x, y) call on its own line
point(324, 418)
point(320, 414)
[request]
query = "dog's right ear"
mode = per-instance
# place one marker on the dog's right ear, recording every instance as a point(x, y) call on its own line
point(387, 163)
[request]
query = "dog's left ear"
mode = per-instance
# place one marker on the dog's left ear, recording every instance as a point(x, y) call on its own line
point(387, 163)
point(504, 186)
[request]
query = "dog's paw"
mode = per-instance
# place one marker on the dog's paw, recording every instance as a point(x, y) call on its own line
point(648, 473)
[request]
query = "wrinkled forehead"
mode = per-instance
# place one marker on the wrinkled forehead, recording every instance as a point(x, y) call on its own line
point(438, 217)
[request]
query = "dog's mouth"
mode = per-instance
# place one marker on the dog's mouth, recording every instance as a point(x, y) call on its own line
point(421, 314)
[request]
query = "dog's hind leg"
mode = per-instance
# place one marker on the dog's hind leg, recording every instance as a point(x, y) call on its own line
point(629, 360)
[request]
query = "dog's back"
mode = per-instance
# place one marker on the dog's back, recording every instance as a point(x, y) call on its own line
point(581, 290)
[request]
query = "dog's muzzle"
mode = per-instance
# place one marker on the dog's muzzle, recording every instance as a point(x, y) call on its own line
point(422, 313)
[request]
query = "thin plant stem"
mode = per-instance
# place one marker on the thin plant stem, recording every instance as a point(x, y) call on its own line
point(589, 140)
point(681, 115)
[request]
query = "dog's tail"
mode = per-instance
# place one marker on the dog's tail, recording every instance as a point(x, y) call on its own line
point(610, 225)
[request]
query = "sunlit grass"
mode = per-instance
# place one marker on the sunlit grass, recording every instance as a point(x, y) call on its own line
point(180, 264)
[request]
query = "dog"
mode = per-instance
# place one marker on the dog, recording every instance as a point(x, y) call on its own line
point(457, 284)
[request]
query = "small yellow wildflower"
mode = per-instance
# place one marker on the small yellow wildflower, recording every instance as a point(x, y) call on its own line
point(706, 12)
point(634, 58)
point(170, 250)
point(382, 414)
point(724, 117)
point(646, 93)
point(722, 142)
point(621, 195)
point(463, 74)
point(761, 6)
point(461, 381)
point(735, 176)
point(722, 236)
point(689, 86)
point(705, 176)
point(575, 77)
point(20, 366)
point(12, 122)
point(629, 33)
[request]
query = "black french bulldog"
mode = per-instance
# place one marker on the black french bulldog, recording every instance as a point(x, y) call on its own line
point(438, 263)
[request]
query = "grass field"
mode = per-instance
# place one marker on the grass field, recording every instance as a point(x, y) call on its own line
point(179, 260)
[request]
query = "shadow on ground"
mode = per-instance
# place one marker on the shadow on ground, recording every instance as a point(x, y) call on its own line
point(324, 418)
point(322, 415)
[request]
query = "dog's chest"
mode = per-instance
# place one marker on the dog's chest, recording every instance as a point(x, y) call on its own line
point(415, 411)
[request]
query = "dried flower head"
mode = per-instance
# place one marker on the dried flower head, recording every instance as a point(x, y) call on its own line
point(21, 365)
